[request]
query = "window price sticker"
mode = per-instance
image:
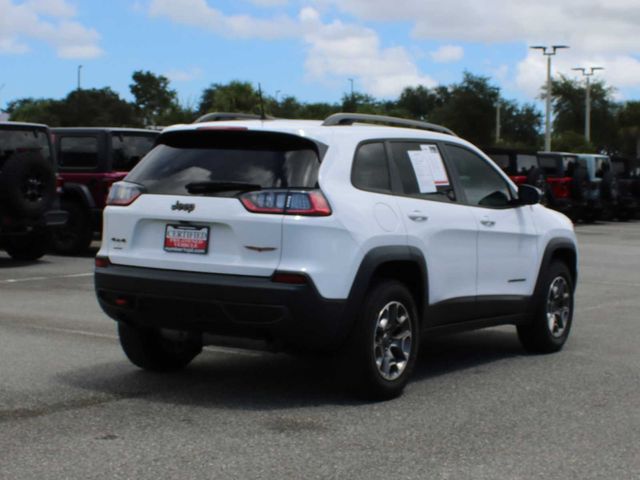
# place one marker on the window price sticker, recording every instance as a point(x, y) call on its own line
point(439, 172)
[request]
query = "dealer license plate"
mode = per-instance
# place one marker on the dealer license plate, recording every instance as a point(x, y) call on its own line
point(186, 239)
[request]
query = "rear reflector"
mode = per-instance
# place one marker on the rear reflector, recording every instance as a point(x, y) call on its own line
point(290, 278)
point(102, 262)
point(287, 202)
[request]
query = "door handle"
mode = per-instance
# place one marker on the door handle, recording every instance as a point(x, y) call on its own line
point(418, 218)
point(487, 223)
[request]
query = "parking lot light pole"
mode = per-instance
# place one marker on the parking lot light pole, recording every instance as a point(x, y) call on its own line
point(587, 109)
point(548, 52)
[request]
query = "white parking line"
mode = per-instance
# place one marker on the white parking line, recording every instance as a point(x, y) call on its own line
point(34, 279)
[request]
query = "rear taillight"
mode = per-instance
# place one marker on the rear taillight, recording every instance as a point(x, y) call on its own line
point(287, 202)
point(102, 262)
point(123, 193)
point(561, 190)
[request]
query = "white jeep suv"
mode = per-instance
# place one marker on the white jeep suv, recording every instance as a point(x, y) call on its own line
point(355, 236)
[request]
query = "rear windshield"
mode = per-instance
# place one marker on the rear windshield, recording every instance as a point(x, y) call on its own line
point(24, 140)
point(549, 165)
point(270, 160)
point(526, 163)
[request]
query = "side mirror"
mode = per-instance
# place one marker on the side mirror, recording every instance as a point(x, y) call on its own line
point(528, 195)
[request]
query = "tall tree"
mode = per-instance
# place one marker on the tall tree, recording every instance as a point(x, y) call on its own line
point(629, 121)
point(236, 96)
point(569, 106)
point(153, 97)
point(468, 108)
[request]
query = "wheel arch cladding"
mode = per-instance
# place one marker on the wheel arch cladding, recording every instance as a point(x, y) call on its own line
point(77, 192)
point(402, 263)
point(561, 250)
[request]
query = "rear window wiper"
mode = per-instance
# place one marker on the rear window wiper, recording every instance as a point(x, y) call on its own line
point(212, 187)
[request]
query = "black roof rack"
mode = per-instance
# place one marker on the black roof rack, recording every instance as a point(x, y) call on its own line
point(351, 118)
point(222, 116)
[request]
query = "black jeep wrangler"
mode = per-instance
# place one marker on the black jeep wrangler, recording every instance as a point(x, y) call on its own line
point(627, 172)
point(28, 198)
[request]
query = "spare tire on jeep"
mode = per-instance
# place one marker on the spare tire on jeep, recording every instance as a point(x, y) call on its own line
point(27, 184)
point(609, 187)
point(579, 184)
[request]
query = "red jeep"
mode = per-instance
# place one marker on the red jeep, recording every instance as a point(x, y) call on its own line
point(523, 167)
point(90, 160)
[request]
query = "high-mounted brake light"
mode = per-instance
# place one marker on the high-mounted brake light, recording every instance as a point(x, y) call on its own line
point(123, 193)
point(287, 202)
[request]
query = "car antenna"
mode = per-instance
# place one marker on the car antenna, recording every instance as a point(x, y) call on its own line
point(262, 115)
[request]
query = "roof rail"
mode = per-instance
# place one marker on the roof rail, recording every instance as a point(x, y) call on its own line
point(350, 118)
point(222, 116)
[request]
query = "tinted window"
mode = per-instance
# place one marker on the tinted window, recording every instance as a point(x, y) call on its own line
point(501, 159)
point(549, 164)
point(265, 159)
point(481, 183)
point(78, 152)
point(13, 140)
point(370, 168)
point(526, 163)
point(127, 150)
point(409, 156)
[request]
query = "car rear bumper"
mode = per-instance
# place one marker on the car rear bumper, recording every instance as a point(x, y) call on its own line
point(289, 317)
point(10, 226)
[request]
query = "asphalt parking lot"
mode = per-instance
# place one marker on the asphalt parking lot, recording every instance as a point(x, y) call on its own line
point(72, 407)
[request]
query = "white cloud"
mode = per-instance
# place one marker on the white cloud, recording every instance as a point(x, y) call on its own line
point(184, 75)
point(619, 70)
point(596, 25)
point(198, 13)
point(352, 51)
point(335, 49)
point(50, 21)
point(447, 53)
point(269, 3)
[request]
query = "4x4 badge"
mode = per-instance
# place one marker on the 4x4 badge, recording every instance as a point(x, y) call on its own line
point(187, 207)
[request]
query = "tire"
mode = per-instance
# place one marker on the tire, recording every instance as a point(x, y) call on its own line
point(546, 333)
point(149, 350)
point(27, 185)
point(381, 351)
point(27, 247)
point(74, 237)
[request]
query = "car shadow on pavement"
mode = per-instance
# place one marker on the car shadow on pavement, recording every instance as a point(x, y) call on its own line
point(8, 262)
point(262, 381)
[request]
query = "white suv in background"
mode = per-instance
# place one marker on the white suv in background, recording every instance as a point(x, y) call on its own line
point(344, 236)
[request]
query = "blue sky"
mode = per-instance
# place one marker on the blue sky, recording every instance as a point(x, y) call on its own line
point(310, 49)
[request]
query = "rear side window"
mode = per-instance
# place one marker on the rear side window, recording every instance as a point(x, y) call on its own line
point(269, 160)
point(370, 168)
point(78, 152)
point(127, 150)
point(422, 170)
point(22, 140)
